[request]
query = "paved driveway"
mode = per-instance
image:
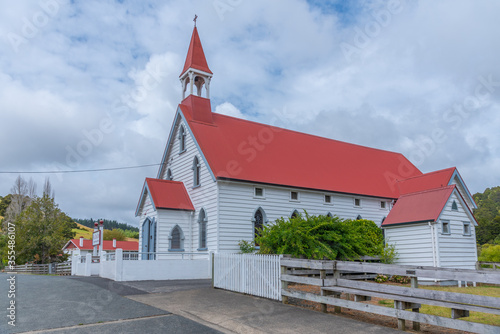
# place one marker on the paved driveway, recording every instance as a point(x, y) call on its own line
point(52, 304)
point(76, 305)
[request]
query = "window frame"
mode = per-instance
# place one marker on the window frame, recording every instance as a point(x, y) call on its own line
point(354, 202)
point(182, 139)
point(468, 224)
point(383, 205)
point(181, 240)
point(325, 201)
point(259, 196)
point(454, 206)
point(291, 197)
point(264, 221)
point(196, 172)
point(444, 223)
point(202, 230)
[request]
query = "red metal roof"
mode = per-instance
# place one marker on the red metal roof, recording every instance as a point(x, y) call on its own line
point(107, 245)
point(169, 194)
point(437, 179)
point(196, 57)
point(420, 206)
point(244, 150)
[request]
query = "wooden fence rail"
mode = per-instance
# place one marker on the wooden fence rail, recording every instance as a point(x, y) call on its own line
point(44, 269)
point(407, 301)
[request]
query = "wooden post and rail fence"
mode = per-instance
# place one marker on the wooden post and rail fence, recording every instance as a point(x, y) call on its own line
point(63, 268)
point(334, 284)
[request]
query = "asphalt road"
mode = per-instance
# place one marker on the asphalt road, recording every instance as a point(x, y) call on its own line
point(51, 304)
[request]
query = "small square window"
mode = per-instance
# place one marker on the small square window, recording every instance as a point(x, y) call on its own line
point(467, 230)
point(446, 227)
point(357, 202)
point(259, 192)
point(382, 205)
point(294, 196)
point(328, 198)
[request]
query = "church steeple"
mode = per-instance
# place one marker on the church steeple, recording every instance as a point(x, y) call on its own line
point(196, 72)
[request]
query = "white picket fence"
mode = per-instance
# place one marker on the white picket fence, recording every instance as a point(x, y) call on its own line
point(253, 274)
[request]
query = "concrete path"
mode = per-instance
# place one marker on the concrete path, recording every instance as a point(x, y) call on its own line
point(231, 312)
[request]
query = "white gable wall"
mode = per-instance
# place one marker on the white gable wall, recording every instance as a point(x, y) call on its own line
point(413, 243)
point(204, 196)
point(237, 206)
point(456, 250)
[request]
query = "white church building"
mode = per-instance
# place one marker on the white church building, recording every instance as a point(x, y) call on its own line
point(222, 177)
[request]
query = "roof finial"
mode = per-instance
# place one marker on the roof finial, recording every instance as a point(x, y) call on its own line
point(195, 18)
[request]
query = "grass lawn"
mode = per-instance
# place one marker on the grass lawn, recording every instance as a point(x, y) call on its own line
point(485, 318)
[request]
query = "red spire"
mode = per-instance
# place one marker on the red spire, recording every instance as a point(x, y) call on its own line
point(196, 57)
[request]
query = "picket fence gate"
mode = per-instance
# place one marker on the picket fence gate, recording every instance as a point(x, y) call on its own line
point(253, 274)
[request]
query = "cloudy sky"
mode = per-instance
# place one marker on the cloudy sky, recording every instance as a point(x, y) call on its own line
point(94, 84)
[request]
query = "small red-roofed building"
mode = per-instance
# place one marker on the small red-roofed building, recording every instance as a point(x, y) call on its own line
point(83, 246)
point(221, 178)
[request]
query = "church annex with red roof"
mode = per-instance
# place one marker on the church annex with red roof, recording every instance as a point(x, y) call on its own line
point(222, 177)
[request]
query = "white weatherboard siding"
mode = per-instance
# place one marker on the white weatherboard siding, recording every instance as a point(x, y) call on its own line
point(166, 221)
point(237, 205)
point(413, 243)
point(202, 197)
point(456, 250)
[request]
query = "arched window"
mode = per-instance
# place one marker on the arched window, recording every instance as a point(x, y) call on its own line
point(182, 139)
point(176, 239)
point(295, 214)
point(359, 217)
point(202, 228)
point(196, 172)
point(259, 218)
point(329, 214)
point(169, 174)
point(454, 206)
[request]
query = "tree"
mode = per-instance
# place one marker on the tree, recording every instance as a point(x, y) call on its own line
point(114, 234)
point(487, 215)
point(21, 194)
point(4, 204)
point(42, 229)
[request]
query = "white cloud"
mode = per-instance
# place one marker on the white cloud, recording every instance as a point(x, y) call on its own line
point(276, 62)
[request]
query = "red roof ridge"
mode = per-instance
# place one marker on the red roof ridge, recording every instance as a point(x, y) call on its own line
point(427, 174)
point(301, 133)
point(428, 191)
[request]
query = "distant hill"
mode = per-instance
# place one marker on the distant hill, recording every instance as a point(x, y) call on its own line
point(488, 216)
point(108, 224)
point(86, 232)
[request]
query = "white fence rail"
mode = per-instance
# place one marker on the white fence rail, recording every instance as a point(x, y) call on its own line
point(253, 274)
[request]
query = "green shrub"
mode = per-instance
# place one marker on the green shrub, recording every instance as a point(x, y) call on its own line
point(319, 237)
point(389, 254)
point(381, 278)
point(246, 247)
point(400, 279)
point(490, 253)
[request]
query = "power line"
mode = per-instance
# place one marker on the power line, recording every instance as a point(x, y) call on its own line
point(80, 171)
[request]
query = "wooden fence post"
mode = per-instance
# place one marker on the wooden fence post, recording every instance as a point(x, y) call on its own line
point(322, 276)
point(414, 284)
point(284, 285)
point(213, 268)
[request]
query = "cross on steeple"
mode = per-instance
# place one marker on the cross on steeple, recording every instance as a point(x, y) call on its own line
point(195, 18)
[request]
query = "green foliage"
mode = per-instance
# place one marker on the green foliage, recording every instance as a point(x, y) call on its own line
point(318, 237)
point(4, 204)
point(490, 253)
point(114, 234)
point(130, 233)
point(381, 278)
point(246, 247)
point(389, 254)
point(42, 229)
point(488, 215)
